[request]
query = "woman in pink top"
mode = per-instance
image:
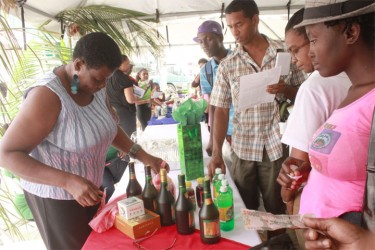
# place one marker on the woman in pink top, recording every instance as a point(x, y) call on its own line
point(338, 150)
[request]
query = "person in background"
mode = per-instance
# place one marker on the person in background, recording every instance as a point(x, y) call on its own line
point(210, 38)
point(316, 99)
point(120, 92)
point(144, 110)
point(339, 42)
point(196, 82)
point(258, 152)
point(160, 98)
point(58, 142)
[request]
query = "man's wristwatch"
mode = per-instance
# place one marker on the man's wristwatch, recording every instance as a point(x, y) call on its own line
point(134, 150)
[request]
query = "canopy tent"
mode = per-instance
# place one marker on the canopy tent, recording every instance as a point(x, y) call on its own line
point(176, 20)
point(163, 12)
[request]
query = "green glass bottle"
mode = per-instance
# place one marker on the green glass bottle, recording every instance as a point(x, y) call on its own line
point(164, 202)
point(149, 194)
point(216, 186)
point(133, 188)
point(225, 206)
point(185, 222)
point(209, 217)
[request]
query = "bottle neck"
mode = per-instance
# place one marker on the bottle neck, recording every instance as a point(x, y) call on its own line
point(148, 179)
point(131, 172)
point(207, 196)
point(182, 190)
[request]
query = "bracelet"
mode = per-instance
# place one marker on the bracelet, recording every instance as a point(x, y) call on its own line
point(134, 150)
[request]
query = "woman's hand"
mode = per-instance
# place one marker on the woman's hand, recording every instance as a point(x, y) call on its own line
point(293, 173)
point(156, 163)
point(83, 191)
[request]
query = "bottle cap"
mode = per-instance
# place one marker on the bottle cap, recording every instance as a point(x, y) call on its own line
point(200, 180)
point(188, 184)
point(221, 177)
point(217, 170)
point(163, 175)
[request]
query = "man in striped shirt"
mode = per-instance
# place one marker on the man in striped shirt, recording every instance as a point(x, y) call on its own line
point(258, 152)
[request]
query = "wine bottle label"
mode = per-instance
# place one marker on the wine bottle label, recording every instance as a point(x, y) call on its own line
point(226, 213)
point(211, 228)
point(132, 176)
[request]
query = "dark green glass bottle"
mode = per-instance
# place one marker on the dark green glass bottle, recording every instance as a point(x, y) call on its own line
point(133, 188)
point(185, 222)
point(149, 194)
point(209, 217)
point(164, 201)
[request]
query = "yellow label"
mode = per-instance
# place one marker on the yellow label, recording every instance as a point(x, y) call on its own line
point(208, 201)
point(225, 213)
point(211, 228)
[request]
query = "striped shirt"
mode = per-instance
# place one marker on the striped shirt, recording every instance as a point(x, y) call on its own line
point(78, 143)
point(257, 127)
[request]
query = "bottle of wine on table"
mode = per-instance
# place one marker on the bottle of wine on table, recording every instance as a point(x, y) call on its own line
point(165, 202)
point(149, 194)
point(209, 217)
point(184, 209)
point(133, 188)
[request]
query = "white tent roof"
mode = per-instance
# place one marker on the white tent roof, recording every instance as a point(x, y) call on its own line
point(179, 20)
point(170, 11)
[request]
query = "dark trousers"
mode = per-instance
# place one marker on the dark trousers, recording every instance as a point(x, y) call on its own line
point(63, 224)
point(143, 114)
point(128, 120)
point(252, 178)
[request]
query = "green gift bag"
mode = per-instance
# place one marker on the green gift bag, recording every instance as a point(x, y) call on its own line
point(190, 148)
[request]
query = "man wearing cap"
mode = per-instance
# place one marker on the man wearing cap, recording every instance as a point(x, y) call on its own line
point(210, 38)
point(258, 152)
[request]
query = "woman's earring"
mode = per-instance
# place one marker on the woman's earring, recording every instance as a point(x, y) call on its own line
point(74, 84)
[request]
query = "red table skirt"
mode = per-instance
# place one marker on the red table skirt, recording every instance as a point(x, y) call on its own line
point(162, 239)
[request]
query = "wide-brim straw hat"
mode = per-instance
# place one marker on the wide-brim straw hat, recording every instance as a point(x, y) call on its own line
point(319, 11)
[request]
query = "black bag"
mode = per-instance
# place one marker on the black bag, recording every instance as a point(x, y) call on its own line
point(117, 167)
point(368, 213)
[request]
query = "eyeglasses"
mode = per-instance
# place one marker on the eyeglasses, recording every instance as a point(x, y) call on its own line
point(295, 50)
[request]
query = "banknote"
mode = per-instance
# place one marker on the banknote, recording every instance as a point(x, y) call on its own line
point(258, 220)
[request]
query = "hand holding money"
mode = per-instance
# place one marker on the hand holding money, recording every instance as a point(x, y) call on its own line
point(293, 173)
point(257, 220)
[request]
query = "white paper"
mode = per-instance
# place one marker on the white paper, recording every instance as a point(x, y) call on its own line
point(156, 94)
point(253, 88)
point(283, 60)
point(138, 91)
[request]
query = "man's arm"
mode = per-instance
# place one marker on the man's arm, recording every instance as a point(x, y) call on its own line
point(222, 117)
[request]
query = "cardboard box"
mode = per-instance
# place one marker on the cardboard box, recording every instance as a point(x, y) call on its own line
point(190, 149)
point(140, 226)
point(131, 207)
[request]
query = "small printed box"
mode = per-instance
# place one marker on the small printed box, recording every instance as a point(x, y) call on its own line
point(139, 226)
point(130, 208)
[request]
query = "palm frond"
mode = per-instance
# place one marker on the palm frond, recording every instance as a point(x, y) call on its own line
point(123, 25)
